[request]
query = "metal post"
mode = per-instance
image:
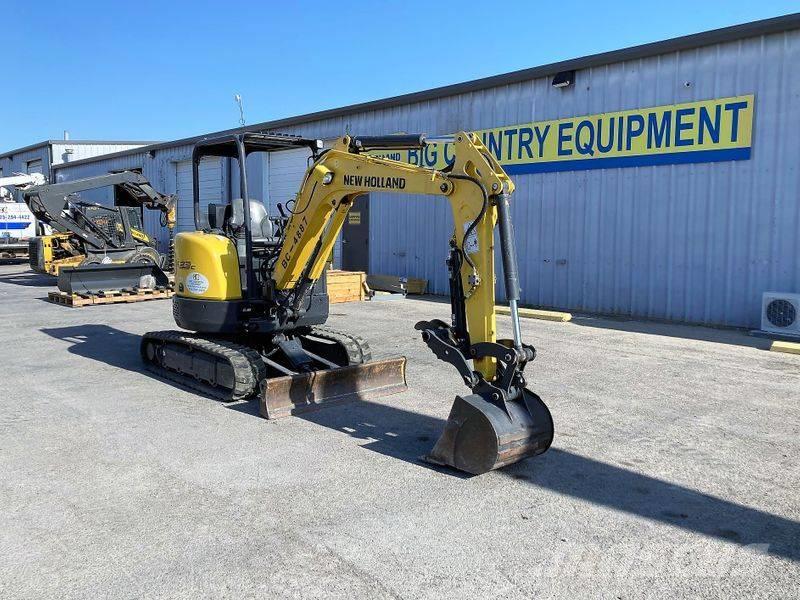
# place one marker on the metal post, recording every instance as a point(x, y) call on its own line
point(508, 251)
point(248, 235)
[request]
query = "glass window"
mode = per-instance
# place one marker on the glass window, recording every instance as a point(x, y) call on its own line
point(135, 217)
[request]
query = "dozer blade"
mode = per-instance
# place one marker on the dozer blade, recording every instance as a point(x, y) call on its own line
point(479, 436)
point(98, 278)
point(294, 394)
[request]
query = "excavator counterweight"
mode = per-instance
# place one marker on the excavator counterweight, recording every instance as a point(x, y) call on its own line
point(251, 289)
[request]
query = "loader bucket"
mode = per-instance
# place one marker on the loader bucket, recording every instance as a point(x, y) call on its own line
point(479, 436)
point(94, 279)
point(295, 394)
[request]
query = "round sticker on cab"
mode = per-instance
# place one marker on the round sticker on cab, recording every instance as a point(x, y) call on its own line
point(196, 283)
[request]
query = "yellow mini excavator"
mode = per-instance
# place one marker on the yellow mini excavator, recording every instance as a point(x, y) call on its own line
point(251, 291)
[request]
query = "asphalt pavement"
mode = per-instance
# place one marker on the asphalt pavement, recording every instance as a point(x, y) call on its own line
point(674, 470)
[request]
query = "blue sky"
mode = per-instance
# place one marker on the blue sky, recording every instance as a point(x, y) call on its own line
point(150, 70)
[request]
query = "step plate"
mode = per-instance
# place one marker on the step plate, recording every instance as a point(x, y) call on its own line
point(295, 394)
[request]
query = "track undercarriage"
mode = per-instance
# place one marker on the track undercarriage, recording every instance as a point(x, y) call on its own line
point(290, 374)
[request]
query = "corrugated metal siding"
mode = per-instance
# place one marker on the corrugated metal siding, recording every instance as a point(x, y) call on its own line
point(212, 180)
point(18, 163)
point(160, 170)
point(81, 151)
point(696, 243)
point(286, 172)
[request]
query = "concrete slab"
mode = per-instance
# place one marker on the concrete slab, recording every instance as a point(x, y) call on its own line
point(673, 473)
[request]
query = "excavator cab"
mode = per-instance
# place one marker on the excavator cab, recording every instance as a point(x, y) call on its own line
point(234, 294)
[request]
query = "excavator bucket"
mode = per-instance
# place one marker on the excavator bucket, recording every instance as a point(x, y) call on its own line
point(480, 436)
point(93, 279)
point(295, 394)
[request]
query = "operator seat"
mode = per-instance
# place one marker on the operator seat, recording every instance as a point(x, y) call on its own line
point(260, 224)
point(228, 218)
point(261, 230)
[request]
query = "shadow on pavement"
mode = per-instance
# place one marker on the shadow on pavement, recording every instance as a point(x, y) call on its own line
point(735, 337)
point(108, 345)
point(407, 435)
point(29, 279)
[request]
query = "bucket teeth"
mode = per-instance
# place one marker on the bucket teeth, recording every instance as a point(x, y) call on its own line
point(479, 436)
point(295, 394)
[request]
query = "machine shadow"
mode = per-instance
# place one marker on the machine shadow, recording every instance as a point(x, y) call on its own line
point(387, 430)
point(734, 337)
point(406, 435)
point(108, 345)
point(29, 279)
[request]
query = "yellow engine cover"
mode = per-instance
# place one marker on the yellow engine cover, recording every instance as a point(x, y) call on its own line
point(206, 267)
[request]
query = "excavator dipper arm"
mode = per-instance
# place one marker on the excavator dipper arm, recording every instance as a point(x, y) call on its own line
point(500, 422)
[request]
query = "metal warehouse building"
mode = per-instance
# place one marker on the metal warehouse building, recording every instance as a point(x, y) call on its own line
point(41, 157)
point(659, 181)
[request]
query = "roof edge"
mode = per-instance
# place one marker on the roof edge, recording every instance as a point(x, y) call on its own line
point(46, 143)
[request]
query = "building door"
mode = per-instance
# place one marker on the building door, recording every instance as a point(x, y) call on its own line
point(34, 166)
point(355, 236)
point(211, 186)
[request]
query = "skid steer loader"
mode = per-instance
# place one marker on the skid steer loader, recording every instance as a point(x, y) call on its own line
point(97, 247)
point(250, 290)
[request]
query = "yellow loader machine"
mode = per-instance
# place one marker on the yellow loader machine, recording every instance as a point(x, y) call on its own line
point(252, 291)
point(98, 247)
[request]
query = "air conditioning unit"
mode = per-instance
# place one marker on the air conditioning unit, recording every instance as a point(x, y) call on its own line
point(780, 313)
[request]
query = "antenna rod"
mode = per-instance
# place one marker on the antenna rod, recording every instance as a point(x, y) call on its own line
point(238, 99)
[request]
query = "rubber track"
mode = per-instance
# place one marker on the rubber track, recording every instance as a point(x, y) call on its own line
point(358, 350)
point(248, 368)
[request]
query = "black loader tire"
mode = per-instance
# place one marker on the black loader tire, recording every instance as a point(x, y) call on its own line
point(145, 255)
point(90, 260)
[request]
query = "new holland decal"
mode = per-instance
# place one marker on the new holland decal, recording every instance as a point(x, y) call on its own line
point(385, 183)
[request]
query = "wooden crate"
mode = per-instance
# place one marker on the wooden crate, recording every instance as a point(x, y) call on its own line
point(346, 286)
point(109, 297)
point(416, 286)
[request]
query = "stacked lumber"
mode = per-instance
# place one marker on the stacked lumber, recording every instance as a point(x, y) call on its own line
point(346, 286)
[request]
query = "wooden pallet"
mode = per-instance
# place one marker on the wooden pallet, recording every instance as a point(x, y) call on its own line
point(109, 297)
point(346, 286)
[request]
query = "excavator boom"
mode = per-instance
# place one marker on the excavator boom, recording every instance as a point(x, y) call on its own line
point(500, 421)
